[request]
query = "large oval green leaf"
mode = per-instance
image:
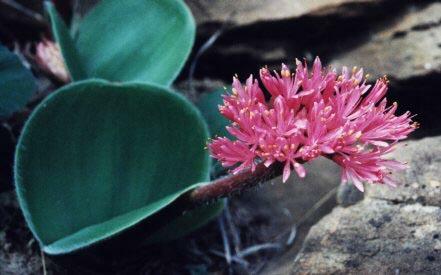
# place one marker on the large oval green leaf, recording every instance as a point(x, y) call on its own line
point(96, 158)
point(17, 84)
point(132, 40)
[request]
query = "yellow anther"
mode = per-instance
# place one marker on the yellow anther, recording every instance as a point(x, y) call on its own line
point(285, 73)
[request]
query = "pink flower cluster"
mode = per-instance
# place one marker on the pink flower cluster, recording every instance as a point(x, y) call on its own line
point(311, 114)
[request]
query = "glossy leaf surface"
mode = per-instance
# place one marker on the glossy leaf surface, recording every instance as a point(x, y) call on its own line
point(132, 40)
point(96, 158)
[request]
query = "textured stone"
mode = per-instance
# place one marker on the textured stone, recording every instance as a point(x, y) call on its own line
point(348, 194)
point(421, 182)
point(410, 47)
point(391, 231)
point(373, 237)
point(244, 12)
point(284, 204)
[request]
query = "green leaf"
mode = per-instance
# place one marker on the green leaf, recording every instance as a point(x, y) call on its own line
point(17, 84)
point(133, 40)
point(67, 46)
point(96, 158)
point(208, 105)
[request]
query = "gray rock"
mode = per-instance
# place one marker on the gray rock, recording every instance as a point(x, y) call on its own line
point(285, 204)
point(373, 237)
point(421, 182)
point(348, 194)
point(391, 231)
point(245, 12)
point(409, 48)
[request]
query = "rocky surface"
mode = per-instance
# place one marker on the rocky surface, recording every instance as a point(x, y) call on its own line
point(421, 182)
point(283, 205)
point(410, 47)
point(245, 12)
point(408, 51)
point(402, 41)
point(391, 231)
point(374, 237)
point(348, 194)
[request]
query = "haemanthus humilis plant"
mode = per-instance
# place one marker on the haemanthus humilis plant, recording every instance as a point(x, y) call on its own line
point(101, 159)
point(312, 114)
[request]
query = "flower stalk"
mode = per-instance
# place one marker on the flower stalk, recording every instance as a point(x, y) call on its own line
point(232, 183)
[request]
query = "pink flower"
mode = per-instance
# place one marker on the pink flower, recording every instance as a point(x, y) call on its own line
point(48, 57)
point(369, 166)
point(311, 114)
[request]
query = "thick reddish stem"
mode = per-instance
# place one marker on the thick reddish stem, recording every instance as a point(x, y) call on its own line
point(227, 185)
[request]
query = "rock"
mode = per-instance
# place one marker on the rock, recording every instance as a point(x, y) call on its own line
point(348, 194)
point(409, 48)
point(391, 231)
point(285, 204)
point(373, 237)
point(245, 12)
point(421, 182)
point(273, 209)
